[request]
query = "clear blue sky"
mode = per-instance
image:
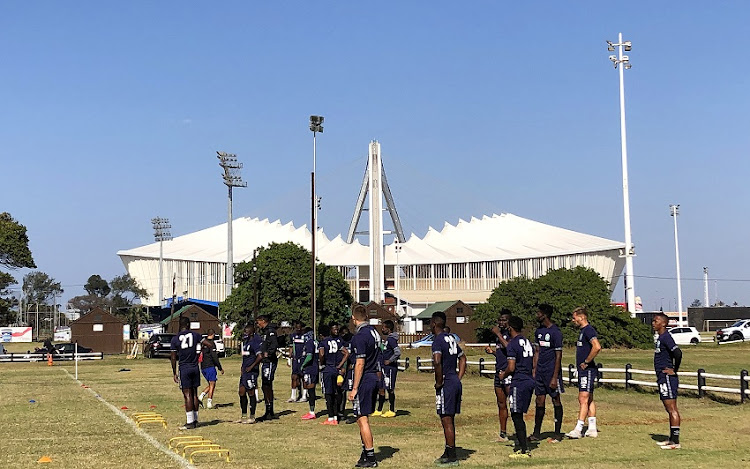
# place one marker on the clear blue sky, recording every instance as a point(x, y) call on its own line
point(112, 113)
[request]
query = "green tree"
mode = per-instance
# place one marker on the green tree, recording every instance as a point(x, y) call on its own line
point(279, 281)
point(125, 290)
point(566, 289)
point(14, 254)
point(696, 303)
point(97, 286)
point(38, 287)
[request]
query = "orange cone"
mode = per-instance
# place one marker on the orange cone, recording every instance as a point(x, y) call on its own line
point(44, 459)
point(49, 359)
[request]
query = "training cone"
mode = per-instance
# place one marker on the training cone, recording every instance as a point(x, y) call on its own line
point(49, 359)
point(45, 459)
point(152, 407)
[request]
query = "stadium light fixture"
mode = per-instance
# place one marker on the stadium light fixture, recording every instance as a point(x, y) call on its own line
point(161, 233)
point(316, 125)
point(232, 178)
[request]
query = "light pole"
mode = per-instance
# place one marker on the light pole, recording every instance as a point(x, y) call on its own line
point(705, 288)
point(316, 125)
point(397, 276)
point(161, 234)
point(629, 248)
point(232, 178)
point(674, 210)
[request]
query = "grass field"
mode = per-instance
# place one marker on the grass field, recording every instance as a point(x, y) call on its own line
point(75, 429)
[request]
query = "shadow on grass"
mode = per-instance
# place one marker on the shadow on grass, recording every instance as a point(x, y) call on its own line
point(402, 413)
point(285, 412)
point(687, 393)
point(463, 453)
point(228, 404)
point(210, 423)
point(659, 437)
point(385, 452)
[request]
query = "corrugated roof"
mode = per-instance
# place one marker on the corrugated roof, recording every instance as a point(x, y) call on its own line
point(169, 318)
point(439, 306)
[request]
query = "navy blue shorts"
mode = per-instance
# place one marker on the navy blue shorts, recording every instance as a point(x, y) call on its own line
point(448, 398)
point(587, 379)
point(209, 373)
point(519, 395)
point(268, 371)
point(389, 377)
point(190, 377)
point(310, 376)
point(668, 385)
point(328, 383)
point(296, 367)
point(542, 387)
point(502, 384)
point(367, 395)
point(249, 381)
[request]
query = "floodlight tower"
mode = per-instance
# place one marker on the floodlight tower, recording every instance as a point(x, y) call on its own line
point(161, 234)
point(232, 178)
point(397, 276)
point(629, 248)
point(316, 125)
point(674, 210)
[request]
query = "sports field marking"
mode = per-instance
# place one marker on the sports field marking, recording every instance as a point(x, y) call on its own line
point(179, 459)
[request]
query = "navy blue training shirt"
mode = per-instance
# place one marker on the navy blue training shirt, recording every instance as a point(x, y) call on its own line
point(332, 353)
point(663, 352)
point(366, 344)
point(446, 346)
point(187, 344)
point(550, 340)
point(250, 349)
point(520, 349)
point(583, 346)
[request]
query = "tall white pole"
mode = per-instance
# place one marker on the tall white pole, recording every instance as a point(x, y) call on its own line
point(706, 303)
point(629, 250)
point(397, 277)
point(314, 233)
point(230, 248)
point(161, 272)
point(674, 211)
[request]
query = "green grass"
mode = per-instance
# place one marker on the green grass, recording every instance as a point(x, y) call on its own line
point(71, 426)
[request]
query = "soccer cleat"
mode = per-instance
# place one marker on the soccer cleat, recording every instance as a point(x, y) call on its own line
point(242, 419)
point(329, 422)
point(209, 403)
point(201, 396)
point(534, 437)
point(664, 443)
point(502, 438)
point(366, 463)
point(554, 439)
point(309, 416)
point(591, 433)
point(671, 446)
point(388, 414)
point(291, 399)
point(187, 426)
point(519, 455)
point(301, 399)
point(377, 413)
point(574, 434)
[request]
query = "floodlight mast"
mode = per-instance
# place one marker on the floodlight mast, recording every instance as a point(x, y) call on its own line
point(161, 233)
point(629, 248)
point(232, 178)
point(316, 125)
point(674, 211)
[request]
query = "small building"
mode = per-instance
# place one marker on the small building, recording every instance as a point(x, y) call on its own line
point(200, 320)
point(458, 316)
point(716, 317)
point(100, 331)
point(377, 314)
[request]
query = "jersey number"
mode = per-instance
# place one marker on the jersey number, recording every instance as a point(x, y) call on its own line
point(452, 346)
point(187, 341)
point(527, 350)
point(333, 346)
point(375, 336)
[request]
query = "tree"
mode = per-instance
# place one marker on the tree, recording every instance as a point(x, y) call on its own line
point(38, 287)
point(125, 290)
point(566, 289)
point(696, 303)
point(278, 281)
point(97, 286)
point(14, 254)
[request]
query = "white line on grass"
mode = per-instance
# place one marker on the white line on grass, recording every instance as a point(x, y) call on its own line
point(179, 459)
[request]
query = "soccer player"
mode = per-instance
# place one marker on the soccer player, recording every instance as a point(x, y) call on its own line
point(209, 363)
point(667, 359)
point(296, 352)
point(366, 349)
point(310, 371)
point(446, 357)
point(587, 348)
point(333, 357)
point(501, 363)
point(186, 346)
point(268, 364)
point(346, 337)
point(391, 354)
point(547, 371)
point(251, 358)
point(521, 369)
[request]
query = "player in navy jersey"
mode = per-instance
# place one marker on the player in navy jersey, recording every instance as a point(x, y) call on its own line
point(251, 358)
point(346, 337)
point(296, 344)
point(501, 363)
point(366, 349)
point(186, 347)
point(333, 357)
point(391, 354)
point(587, 348)
point(268, 364)
point(520, 369)
point(446, 357)
point(547, 371)
point(310, 371)
point(667, 359)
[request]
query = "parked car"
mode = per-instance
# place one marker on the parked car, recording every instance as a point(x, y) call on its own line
point(158, 345)
point(426, 341)
point(220, 350)
point(70, 347)
point(740, 330)
point(685, 335)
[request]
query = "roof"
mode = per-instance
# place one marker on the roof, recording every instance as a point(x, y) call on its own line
point(177, 313)
point(439, 306)
point(496, 237)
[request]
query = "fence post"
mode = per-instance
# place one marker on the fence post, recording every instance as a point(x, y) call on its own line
point(599, 374)
point(570, 373)
point(481, 366)
point(701, 383)
point(419, 365)
point(628, 376)
point(743, 385)
point(406, 364)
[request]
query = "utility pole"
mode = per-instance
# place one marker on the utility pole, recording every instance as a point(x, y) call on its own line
point(161, 233)
point(706, 303)
point(232, 178)
point(674, 210)
point(316, 125)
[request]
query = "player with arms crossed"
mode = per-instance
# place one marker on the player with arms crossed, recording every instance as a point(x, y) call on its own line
point(310, 372)
point(547, 371)
point(587, 348)
point(333, 356)
point(446, 357)
point(185, 347)
point(501, 363)
point(391, 354)
point(667, 359)
point(297, 339)
point(269, 362)
point(251, 357)
point(366, 349)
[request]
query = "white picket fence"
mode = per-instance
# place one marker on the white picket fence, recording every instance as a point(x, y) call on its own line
point(42, 357)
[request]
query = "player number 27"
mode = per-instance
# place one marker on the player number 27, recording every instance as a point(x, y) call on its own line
point(187, 341)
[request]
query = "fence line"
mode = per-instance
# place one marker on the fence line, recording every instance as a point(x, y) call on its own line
point(42, 357)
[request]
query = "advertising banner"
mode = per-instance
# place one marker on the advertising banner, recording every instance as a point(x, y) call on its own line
point(145, 331)
point(15, 334)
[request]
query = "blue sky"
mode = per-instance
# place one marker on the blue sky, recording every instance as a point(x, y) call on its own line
point(112, 113)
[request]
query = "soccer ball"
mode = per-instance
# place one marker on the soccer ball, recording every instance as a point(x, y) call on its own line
point(340, 380)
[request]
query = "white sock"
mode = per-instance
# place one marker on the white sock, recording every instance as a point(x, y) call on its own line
point(189, 417)
point(195, 416)
point(592, 423)
point(330, 419)
point(579, 425)
point(304, 394)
